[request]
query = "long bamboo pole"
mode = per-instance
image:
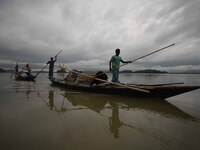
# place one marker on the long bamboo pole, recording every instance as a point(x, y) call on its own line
point(114, 83)
point(147, 55)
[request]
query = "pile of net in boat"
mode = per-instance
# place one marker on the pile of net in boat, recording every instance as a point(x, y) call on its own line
point(86, 77)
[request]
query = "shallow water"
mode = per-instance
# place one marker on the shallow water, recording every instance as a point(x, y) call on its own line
point(36, 115)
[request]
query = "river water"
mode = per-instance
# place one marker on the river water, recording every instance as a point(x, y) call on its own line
point(37, 115)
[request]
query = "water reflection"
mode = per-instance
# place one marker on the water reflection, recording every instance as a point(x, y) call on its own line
point(24, 87)
point(114, 121)
point(100, 104)
point(51, 99)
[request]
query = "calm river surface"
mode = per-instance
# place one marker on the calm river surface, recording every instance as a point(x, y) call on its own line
point(38, 116)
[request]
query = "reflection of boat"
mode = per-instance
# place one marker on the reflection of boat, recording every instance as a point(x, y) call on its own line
point(160, 91)
point(110, 107)
point(23, 88)
point(98, 102)
point(101, 104)
point(21, 77)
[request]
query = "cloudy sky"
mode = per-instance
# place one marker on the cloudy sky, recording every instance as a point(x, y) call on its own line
point(89, 31)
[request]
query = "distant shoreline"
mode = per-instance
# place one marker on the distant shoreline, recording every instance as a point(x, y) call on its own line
point(143, 71)
point(147, 71)
point(11, 71)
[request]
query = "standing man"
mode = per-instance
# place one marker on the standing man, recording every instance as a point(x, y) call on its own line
point(51, 66)
point(16, 68)
point(114, 65)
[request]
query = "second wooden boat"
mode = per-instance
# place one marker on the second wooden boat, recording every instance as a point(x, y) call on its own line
point(22, 77)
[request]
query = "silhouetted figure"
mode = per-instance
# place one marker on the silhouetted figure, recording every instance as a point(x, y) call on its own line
point(51, 66)
point(16, 68)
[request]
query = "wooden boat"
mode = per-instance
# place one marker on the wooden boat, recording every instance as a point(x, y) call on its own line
point(161, 91)
point(22, 77)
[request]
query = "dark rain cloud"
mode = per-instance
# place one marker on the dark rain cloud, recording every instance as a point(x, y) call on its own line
point(89, 31)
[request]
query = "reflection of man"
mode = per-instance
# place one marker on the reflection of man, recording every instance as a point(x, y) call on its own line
point(28, 92)
point(51, 97)
point(114, 121)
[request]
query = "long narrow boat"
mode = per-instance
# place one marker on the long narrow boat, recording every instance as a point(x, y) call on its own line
point(21, 77)
point(161, 91)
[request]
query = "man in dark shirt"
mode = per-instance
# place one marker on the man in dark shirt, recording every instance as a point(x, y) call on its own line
point(51, 66)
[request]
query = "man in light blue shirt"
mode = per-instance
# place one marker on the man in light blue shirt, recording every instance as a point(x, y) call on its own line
point(114, 65)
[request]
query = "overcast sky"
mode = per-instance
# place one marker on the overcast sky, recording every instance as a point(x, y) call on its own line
point(89, 31)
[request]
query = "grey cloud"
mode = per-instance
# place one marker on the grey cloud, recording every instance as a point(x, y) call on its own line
point(92, 30)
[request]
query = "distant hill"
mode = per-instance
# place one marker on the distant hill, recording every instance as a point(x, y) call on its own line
point(5, 71)
point(143, 71)
point(2, 70)
point(126, 71)
point(150, 71)
point(192, 72)
point(11, 71)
